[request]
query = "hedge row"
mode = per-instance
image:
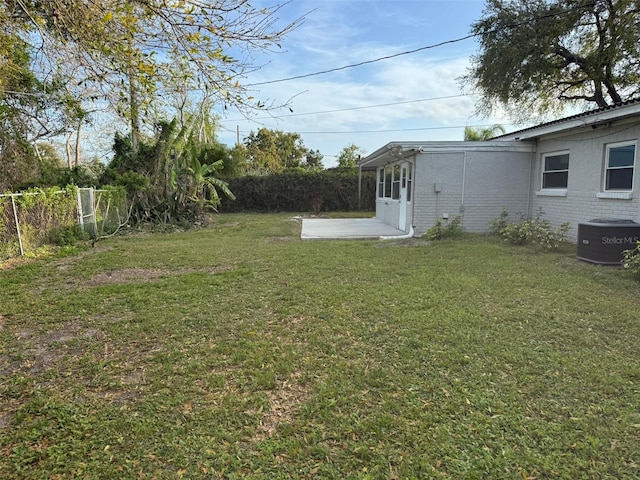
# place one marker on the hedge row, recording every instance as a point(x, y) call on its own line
point(301, 192)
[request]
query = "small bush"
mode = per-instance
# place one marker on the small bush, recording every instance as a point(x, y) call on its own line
point(440, 231)
point(68, 235)
point(497, 226)
point(537, 231)
point(631, 260)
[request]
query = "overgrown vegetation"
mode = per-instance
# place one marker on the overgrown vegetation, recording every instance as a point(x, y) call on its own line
point(442, 230)
point(46, 216)
point(530, 231)
point(172, 178)
point(50, 217)
point(631, 260)
point(146, 357)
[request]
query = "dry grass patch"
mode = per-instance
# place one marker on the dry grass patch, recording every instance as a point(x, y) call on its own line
point(284, 401)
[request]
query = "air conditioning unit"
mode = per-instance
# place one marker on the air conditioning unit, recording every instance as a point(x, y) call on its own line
point(602, 240)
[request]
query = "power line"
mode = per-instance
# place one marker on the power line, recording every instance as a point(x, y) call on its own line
point(392, 130)
point(420, 49)
point(366, 62)
point(351, 132)
point(352, 108)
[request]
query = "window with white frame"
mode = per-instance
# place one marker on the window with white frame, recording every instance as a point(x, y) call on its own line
point(395, 190)
point(555, 170)
point(388, 176)
point(619, 164)
point(389, 182)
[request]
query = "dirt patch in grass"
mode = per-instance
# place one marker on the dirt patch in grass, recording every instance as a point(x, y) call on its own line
point(12, 263)
point(42, 352)
point(284, 401)
point(35, 353)
point(144, 275)
point(63, 264)
point(127, 275)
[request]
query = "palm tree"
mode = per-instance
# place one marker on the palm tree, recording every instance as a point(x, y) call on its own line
point(480, 134)
point(199, 182)
point(192, 176)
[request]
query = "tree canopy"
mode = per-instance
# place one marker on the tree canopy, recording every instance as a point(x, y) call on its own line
point(349, 155)
point(61, 61)
point(538, 55)
point(31, 111)
point(270, 151)
point(130, 52)
point(313, 160)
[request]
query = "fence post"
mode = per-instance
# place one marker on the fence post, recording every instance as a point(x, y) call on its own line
point(15, 217)
point(80, 213)
point(92, 196)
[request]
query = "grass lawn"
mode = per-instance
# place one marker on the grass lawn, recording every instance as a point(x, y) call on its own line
point(240, 351)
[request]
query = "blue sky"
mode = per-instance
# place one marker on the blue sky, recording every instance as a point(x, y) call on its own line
point(427, 101)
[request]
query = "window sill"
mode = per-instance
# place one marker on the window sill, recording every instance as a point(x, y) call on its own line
point(552, 193)
point(615, 195)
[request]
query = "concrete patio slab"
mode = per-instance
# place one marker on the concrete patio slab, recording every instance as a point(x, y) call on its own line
point(346, 228)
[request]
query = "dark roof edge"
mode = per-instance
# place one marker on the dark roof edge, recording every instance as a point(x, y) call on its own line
point(611, 112)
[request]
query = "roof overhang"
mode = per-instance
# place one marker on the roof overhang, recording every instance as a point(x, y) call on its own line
point(583, 121)
point(395, 152)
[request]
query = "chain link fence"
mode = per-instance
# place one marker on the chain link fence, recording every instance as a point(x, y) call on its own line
point(31, 220)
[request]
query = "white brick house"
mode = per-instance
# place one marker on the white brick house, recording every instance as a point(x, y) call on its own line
point(573, 169)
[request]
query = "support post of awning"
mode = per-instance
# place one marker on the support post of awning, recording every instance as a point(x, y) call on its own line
point(359, 186)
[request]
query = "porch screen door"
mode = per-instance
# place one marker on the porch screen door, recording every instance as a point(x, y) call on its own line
point(402, 216)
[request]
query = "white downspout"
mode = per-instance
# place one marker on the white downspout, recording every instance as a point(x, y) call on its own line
point(399, 237)
point(532, 165)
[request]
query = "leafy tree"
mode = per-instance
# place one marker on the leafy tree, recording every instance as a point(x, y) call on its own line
point(482, 133)
point(236, 163)
point(270, 151)
point(536, 56)
point(313, 160)
point(129, 51)
point(349, 155)
point(31, 111)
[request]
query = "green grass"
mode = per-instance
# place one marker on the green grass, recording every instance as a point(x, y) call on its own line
point(240, 351)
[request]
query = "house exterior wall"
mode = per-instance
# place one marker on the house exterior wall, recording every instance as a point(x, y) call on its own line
point(476, 184)
point(580, 202)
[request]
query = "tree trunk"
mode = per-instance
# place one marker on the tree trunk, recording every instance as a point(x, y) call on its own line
point(68, 150)
point(598, 95)
point(134, 105)
point(78, 135)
